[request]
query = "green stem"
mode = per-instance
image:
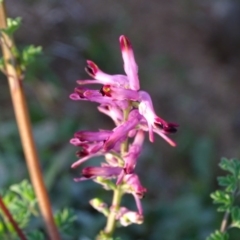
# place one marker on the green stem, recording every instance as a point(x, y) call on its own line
point(111, 221)
point(117, 194)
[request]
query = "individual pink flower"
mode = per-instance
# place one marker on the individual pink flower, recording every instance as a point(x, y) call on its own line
point(93, 172)
point(103, 78)
point(133, 185)
point(113, 111)
point(120, 133)
point(147, 111)
point(133, 153)
point(127, 217)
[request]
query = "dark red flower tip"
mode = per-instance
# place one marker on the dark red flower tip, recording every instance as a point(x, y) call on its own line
point(80, 91)
point(127, 170)
point(87, 172)
point(91, 68)
point(141, 192)
point(106, 107)
point(82, 153)
point(106, 90)
point(167, 127)
point(124, 43)
point(170, 127)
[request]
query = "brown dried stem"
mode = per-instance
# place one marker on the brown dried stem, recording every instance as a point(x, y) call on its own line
point(14, 76)
point(11, 220)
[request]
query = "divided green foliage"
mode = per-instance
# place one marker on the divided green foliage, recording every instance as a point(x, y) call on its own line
point(22, 203)
point(235, 215)
point(217, 235)
point(226, 198)
point(64, 220)
point(12, 25)
point(25, 57)
point(28, 55)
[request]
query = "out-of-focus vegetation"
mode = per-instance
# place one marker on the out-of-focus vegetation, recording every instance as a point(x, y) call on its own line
point(188, 57)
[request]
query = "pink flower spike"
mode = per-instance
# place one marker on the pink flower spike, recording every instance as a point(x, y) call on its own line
point(130, 65)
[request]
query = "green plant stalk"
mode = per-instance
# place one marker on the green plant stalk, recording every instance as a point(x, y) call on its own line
point(11, 220)
point(14, 75)
point(111, 221)
point(117, 194)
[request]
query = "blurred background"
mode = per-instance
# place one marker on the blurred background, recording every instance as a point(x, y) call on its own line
point(188, 53)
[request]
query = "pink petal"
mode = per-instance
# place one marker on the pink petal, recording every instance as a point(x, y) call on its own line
point(130, 65)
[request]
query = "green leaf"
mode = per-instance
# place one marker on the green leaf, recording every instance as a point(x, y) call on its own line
point(223, 198)
point(64, 220)
point(235, 214)
point(232, 166)
point(229, 182)
point(35, 235)
point(28, 55)
point(21, 202)
point(25, 190)
point(217, 235)
point(12, 25)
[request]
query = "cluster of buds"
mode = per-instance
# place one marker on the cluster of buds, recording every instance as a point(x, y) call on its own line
point(133, 114)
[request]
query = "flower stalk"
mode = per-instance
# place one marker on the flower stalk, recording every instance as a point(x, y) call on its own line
point(111, 220)
point(15, 80)
point(117, 194)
